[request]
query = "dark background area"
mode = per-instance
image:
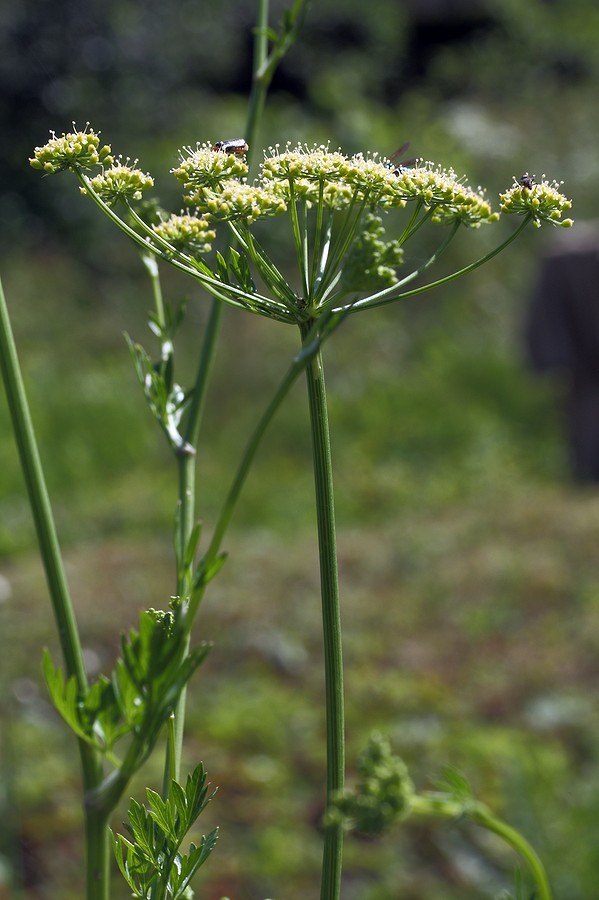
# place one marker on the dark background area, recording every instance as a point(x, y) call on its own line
point(468, 556)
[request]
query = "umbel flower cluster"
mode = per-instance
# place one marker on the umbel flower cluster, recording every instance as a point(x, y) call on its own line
point(334, 204)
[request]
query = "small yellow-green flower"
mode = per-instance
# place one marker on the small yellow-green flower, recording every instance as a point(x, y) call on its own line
point(316, 163)
point(80, 149)
point(542, 201)
point(376, 181)
point(239, 202)
point(442, 191)
point(206, 167)
point(330, 194)
point(318, 175)
point(469, 207)
point(190, 234)
point(120, 182)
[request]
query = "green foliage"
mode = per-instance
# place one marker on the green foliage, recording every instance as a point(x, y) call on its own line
point(236, 271)
point(141, 694)
point(151, 862)
point(166, 399)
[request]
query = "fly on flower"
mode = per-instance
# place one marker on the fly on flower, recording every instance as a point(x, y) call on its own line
point(396, 163)
point(527, 181)
point(236, 146)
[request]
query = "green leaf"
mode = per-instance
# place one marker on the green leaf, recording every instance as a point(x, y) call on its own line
point(163, 813)
point(456, 784)
point(149, 839)
point(238, 264)
point(206, 571)
point(221, 264)
point(152, 856)
point(190, 864)
point(65, 697)
point(138, 872)
point(192, 545)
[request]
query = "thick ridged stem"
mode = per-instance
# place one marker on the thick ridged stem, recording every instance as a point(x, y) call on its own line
point(331, 618)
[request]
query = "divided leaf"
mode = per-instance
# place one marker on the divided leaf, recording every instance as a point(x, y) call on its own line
point(153, 855)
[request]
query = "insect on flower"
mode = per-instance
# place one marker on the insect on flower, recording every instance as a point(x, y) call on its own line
point(399, 166)
point(236, 146)
point(527, 181)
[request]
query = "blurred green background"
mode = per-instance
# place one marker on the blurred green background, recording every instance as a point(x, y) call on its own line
point(469, 571)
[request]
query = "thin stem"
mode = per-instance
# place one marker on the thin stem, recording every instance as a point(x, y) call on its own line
point(299, 239)
point(259, 82)
point(313, 340)
point(186, 514)
point(331, 618)
point(484, 817)
point(151, 264)
point(339, 249)
point(389, 295)
point(227, 293)
point(187, 461)
point(267, 269)
point(64, 615)
point(40, 502)
point(265, 63)
point(448, 807)
point(196, 268)
point(228, 507)
point(324, 254)
point(317, 256)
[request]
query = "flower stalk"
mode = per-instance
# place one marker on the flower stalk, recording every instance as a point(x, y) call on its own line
point(96, 834)
point(330, 886)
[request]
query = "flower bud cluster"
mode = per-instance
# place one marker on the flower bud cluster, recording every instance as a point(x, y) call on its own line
point(446, 194)
point(542, 201)
point(383, 795)
point(120, 182)
point(214, 177)
point(320, 176)
point(205, 167)
point(239, 201)
point(317, 175)
point(186, 233)
point(371, 262)
point(217, 187)
point(80, 149)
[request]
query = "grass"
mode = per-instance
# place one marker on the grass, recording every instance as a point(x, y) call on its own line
point(471, 643)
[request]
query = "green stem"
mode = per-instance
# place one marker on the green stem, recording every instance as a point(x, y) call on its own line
point(441, 805)
point(313, 340)
point(331, 618)
point(40, 502)
point(152, 243)
point(97, 859)
point(389, 295)
point(484, 817)
point(95, 825)
point(186, 464)
point(187, 461)
point(228, 507)
point(260, 82)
